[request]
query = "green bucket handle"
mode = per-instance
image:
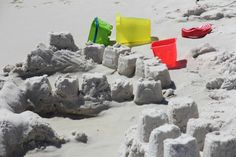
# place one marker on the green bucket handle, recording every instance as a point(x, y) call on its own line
point(96, 29)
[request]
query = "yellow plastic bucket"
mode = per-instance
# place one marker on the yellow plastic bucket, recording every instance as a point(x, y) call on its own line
point(133, 31)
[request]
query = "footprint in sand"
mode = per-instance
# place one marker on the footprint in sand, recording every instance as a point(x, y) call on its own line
point(116, 2)
point(49, 2)
point(65, 1)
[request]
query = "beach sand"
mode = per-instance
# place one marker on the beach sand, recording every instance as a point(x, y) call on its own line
point(25, 23)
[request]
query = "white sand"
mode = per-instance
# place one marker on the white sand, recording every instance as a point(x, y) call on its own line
point(24, 25)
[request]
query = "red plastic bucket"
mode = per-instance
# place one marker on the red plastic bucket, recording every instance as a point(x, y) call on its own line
point(166, 51)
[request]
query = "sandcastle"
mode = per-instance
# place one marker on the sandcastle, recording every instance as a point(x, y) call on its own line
point(121, 90)
point(154, 75)
point(219, 144)
point(147, 91)
point(149, 120)
point(155, 136)
point(49, 60)
point(50, 81)
point(199, 128)
point(158, 136)
point(180, 110)
point(111, 55)
point(127, 64)
point(95, 86)
point(67, 96)
point(153, 68)
point(94, 51)
point(183, 146)
point(144, 80)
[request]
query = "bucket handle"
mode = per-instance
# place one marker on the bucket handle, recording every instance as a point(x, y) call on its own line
point(96, 29)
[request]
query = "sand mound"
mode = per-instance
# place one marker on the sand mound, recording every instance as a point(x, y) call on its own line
point(45, 61)
point(13, 98)
point(206, 48)
point(209, 12)
point(62, 56)
point(22, 132)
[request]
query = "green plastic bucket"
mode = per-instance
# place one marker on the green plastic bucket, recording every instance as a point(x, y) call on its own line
point(100, 32)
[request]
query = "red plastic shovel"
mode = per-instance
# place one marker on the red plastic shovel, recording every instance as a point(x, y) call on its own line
point(197, 32)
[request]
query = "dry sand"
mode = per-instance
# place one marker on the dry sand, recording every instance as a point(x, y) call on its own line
point(25, 23)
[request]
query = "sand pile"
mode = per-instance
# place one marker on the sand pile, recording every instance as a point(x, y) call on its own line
point(221, 60)
point(203, 11)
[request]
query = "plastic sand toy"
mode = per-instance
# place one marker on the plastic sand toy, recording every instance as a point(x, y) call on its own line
point(167, 52)
point(133, 31)
point(100, 32)
point(197, 32)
